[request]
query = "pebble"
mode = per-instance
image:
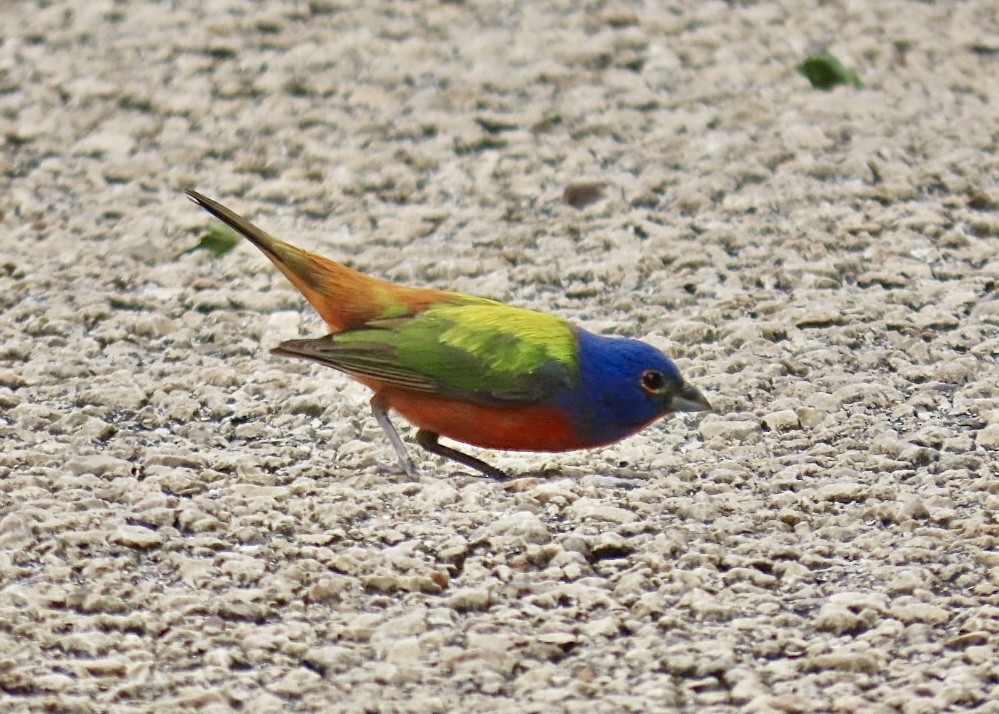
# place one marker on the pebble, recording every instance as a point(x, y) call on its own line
point(405, 651)
point(103, 465)
point(988, 437)
point(841, 492)
point(522, 525)
point(587, 509)
point(734, 431)
point(107, 144)
point(295, 683)
point(921, 612)
point(137, 537)
point(784, 420)
point(470, 599)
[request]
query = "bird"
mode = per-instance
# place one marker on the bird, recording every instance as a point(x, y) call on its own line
point(471, 369)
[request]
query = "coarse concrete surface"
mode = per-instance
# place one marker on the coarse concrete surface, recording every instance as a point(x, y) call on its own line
point(188, 523)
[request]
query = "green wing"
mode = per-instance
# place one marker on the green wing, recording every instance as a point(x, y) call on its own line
point(485, 352)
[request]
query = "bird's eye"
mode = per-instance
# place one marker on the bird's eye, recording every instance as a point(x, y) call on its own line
point(653, 381)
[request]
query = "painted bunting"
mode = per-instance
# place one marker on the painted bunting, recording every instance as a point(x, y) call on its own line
point(472, 369)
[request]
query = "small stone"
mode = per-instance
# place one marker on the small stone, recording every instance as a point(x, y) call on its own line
point(84, 427)
point(561, 639)
point(107, 666)
point(331, 658)
point(786, 703)
point(603, 627)
point(362, 626)
point(588, 509)
point(746, 685)
point(822, 401)
point(470, 599)
point(404, 651)
point(920, 612)
point(175, 459)
point(175, 481)
point(413, 623)
point(53, 682)
point(839, 620)
point(843, 661)
point(14, 530)
point(296, 683)
point(11, 380)
point(784, 420)
point(193, 520)
point(105, 144)
point(494, 649)
point(940, 509)
point(818, 317)
point(252, 431)
point(243, 569)
point(580, 195)
point(136, 537)
point(560, 493)
point(841, 492)
point(101, 602)
point(742, 430)
point(263, 703)
point(705, 606)
point(523, 524)
point(857, 601)
point(933, 318)
point(979, 654)
point(809, 417)
point(988, 437)
point(123, 396)
point(327, 588)
point(99, 465)
point(89, 643)
point(691, 332)
point(281, 325)
point(218, 657)
point(970, 639)
point(241, 605)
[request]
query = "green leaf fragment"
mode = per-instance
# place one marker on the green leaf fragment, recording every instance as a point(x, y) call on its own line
point(218, 241)
point(825, 72)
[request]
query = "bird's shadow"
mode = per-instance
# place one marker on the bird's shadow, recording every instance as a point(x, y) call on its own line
point(525, 480)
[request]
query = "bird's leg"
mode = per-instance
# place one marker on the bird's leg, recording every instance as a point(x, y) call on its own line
point(428, 440)
point(380, 410)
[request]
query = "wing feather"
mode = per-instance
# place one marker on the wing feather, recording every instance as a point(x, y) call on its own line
point(486, 352)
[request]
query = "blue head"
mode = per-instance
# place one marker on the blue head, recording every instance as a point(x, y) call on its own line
point(623, 385)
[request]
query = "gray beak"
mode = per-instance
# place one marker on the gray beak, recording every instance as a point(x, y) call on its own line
point(689, 399)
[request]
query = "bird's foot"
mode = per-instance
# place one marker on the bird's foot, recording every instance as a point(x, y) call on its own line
point(428, 440)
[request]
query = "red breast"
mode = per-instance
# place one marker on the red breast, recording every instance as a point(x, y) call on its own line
point(523, 428)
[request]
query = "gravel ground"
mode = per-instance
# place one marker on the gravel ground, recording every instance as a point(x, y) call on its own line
point(188, 523)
